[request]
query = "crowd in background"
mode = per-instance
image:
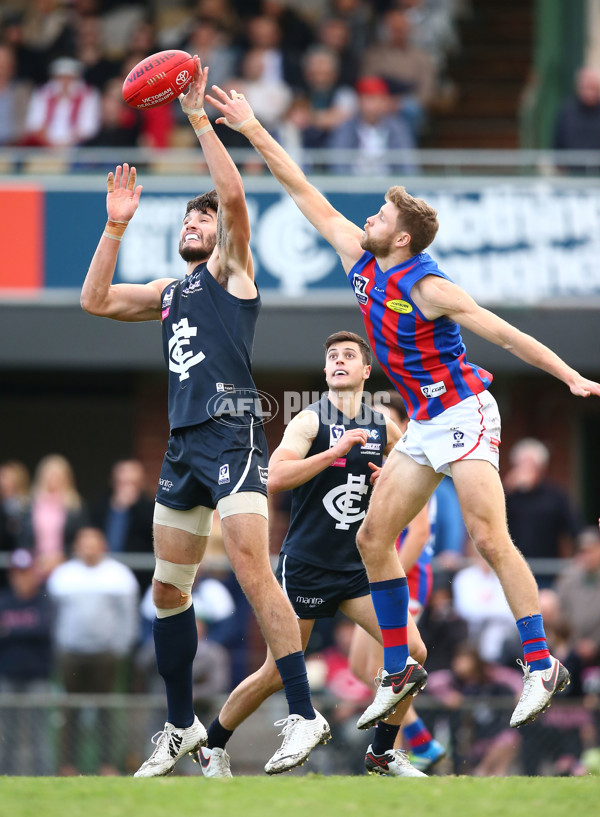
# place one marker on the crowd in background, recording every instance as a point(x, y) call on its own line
point(338, 74)
point(345, 73)
point(75, 618)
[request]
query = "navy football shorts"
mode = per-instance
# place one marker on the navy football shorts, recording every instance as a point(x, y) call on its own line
point(206, 462)
point(316, 592)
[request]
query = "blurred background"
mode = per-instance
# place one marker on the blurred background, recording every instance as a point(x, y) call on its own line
point(489, 109)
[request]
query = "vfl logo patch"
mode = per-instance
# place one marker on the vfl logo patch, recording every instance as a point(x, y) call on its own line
point(403, 307)
point(221, 387)
point(335, 434)
point(263, 474)
point(458, 439)
point(359, 282)
point(224, 474)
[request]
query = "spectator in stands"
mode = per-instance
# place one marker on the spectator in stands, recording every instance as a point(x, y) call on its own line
point(329, 103)
point(541, 519)
point(480, 601)
point(49, 27)
point(31, 63)
point(263, 33)
point(14, 502)
point(120, 124)
point(98, 68)
point(271, 96)
point(409, 71)
point(482, 744)
point(578, 590)
point(96, 600)
point(14, 97)
point(376, 129)
point(25, 665)
point(213, 44)
point(65, 111)
point(578, 121)
point(125, 514)
point(334, 35)
point(358, 15)
point(296, 32)
point(55, 514)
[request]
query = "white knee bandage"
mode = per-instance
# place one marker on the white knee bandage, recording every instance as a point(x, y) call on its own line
point(197, 521)
point(246, 502)
point(180, 576)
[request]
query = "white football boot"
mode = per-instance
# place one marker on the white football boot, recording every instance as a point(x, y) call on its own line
point(394, 763)
point(300, 736)
point(171, 744)
point(393, 687)
point(214, 762)
point(538, 688)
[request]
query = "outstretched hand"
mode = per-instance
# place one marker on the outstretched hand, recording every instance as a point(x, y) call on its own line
point(193, 100)
point(123, 196)
point(235, 109)
point(581, 387)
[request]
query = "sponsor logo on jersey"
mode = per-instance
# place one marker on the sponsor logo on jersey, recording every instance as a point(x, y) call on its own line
point(359, 282)
point(224, 474)
point(372, 433)
point(494, 443)
point(370, 448)
point(181, 359)
point(344, 502)
point(193, 285)
point(339, 463)
point(335, 433)
point(221, 387)
point(165, 484)
point(434, 389)
point(403, 307)
point(263, 474)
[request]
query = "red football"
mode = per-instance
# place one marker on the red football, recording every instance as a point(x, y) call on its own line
point(158, 79)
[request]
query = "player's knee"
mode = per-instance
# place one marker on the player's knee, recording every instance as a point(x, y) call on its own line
point(166, 596)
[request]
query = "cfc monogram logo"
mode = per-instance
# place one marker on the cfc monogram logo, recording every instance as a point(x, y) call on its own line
point(344, 502)
point(181, 359)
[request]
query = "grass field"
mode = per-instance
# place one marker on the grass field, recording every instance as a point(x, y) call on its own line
point(309, 796)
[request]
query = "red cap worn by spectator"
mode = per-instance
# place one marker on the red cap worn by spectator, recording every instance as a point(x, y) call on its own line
point(372, 85)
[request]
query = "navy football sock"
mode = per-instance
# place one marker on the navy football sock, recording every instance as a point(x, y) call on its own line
point(176, 642)
point(218, 735)
point(385, 735)
point(295, 683)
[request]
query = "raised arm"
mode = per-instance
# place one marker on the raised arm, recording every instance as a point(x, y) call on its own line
point(231, 260)
point(99, 296)
point(342, 234)
point(436, 297)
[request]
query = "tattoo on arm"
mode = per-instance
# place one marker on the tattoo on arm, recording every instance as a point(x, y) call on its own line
point(222, 237)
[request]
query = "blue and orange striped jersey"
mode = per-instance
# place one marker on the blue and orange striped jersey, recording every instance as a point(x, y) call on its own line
point(424, 359)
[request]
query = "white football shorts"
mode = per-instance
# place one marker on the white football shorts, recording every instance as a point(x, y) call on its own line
point(470, 430)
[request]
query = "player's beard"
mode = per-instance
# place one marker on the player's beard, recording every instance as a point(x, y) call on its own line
point(200, 250)
point(380, 248)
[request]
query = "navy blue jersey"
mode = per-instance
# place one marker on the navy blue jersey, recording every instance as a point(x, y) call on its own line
point(326, 510)
point(208, 336)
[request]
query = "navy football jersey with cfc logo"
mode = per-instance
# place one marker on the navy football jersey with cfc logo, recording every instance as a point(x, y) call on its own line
point(207, 342)
point(327, 510)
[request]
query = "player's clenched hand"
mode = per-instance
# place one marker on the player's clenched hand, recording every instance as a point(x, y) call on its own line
point(376, 469)
point(235, 109)
point(581, 387)
point(193, 100)
point(123, 196)
point(354, 436)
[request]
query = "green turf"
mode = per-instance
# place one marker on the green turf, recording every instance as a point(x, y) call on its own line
point(309, 796)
